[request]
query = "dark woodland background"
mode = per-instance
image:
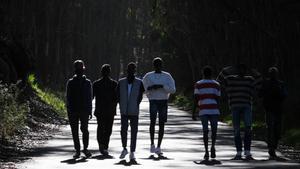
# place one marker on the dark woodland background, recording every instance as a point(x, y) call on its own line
point(45, 37)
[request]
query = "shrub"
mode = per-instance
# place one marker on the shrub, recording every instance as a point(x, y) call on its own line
point(12, 113)
point(54, 99)
point(183, 102)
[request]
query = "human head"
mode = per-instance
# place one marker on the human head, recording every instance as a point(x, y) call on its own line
point(207, 72)
point(105, 70)
point(242, 69)
point(79, 67)
point(157, 64)
point(131, 69)
point(273, 72)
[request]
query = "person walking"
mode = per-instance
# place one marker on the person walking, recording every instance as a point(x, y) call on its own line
point(79, 107)
point(158, 85)
point(273, 93)
point(206, 94)
point(105, 94)
point(130, 94)
point(240, 90)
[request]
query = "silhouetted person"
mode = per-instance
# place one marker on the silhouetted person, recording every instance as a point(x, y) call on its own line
point(105, 93)
point(273, 93)
point(158, 86)
point(240, 89)
point(79, 107)
point(130, 94)
point(206, 94)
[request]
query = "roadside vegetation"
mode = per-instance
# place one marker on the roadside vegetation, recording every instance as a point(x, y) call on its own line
point(29, 115)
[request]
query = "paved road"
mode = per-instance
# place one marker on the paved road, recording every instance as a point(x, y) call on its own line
point(182, 145)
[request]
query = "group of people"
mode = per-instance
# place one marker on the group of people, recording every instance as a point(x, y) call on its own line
point(128, 92)
point(240, 89)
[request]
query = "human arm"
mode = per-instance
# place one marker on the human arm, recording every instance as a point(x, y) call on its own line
point(195, 105)
point(169, 87)
point(141, 91)
point(68, 94)
point(90, 99)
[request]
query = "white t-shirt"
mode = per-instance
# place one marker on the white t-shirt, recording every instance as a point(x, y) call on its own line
point(163, 78)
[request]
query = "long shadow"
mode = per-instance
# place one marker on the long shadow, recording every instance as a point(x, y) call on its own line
point(157, 158)
point(74, 161)
point(125, 163)
point(209, 162)
point(102, 157)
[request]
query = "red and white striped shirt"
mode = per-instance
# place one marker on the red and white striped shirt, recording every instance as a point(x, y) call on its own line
point(207, 92)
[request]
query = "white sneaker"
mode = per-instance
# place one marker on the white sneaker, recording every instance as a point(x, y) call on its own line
point(152, 148)
point(158, 151)
point(124, 153)
point(131, 156)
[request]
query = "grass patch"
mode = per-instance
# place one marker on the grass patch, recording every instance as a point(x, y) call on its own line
point(50, 97)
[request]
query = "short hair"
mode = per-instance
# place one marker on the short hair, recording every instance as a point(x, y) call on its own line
point(157, 60)
point(131, 64)
point(105, 69)
point(78, 64)
point(273, 70)
point(207, 71)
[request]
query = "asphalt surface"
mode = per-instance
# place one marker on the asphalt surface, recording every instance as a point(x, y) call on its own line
point(182, 147)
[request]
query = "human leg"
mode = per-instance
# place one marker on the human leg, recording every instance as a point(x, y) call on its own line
point(204, 121)
point(214, 127)
point(236, 128)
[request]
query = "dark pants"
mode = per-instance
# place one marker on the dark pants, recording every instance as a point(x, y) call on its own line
point(104, 131)
point(237, 114)
point(159, 107)
point(213, 119)
point(74, 123)
point(273, 120)
point(134, 120)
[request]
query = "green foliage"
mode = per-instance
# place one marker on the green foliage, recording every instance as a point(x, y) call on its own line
point(12, 113)
point(292, 137)
point(183, 101)
point(54, 99)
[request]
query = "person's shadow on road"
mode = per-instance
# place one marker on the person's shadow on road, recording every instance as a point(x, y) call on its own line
point(125, 163)
point(74, 160)
point(209, 162)
point(103, 157)
point(157, 158)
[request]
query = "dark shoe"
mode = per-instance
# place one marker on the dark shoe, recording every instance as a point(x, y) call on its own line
point(104, 152)
point(206, 155)
point(87, 153)
point(237, 157)
point(249, 158)
point(213, 152)
point(76, 155)
point(133, 162)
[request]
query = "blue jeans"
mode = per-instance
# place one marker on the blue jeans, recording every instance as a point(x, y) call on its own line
point(237, 114)
point(134, 121)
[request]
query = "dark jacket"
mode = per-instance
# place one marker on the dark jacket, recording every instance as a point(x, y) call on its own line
point(273, 93)
point(105, 93)
point(79, 95)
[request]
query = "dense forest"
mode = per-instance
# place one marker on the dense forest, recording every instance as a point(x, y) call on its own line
point(187, 34)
